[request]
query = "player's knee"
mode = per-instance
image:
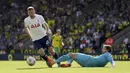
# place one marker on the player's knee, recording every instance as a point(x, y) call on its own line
point(41, 51)
point(51, 51)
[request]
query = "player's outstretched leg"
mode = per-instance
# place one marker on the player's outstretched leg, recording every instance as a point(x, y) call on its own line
point(45, 57)
point(51, 51)
point(61, 59)
point(55, 55)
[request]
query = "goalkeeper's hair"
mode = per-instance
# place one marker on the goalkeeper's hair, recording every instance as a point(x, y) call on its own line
point(108, 48)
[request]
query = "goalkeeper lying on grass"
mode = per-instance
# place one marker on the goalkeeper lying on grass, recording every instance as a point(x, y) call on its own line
point(87, 60)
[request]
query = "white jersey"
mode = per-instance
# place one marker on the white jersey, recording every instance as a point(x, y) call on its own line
point(35, 26)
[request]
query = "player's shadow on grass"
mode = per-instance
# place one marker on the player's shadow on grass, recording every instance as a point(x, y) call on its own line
point(34, 68)
point(31, 68)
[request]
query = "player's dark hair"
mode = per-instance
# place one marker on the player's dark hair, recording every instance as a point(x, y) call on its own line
point(108, 48)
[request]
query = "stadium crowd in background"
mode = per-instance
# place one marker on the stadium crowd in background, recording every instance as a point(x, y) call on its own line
point(102, 23)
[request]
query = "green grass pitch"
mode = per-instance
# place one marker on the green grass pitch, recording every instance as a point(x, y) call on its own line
point(40, 67)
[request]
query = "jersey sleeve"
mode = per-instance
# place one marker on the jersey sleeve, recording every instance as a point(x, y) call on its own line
point(110, 59)
point(42, 19)
point(25, 23)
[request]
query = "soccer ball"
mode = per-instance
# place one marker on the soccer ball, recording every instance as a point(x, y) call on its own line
point(31, 61)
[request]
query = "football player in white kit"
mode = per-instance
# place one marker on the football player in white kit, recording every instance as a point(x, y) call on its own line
point(37, 28)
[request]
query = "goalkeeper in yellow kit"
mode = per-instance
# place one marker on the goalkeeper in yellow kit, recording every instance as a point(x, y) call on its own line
point(57, 42)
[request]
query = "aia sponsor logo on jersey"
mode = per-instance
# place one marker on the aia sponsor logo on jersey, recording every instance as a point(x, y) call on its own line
point(35, 25)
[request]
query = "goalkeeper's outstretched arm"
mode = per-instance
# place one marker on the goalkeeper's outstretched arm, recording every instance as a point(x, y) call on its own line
point(112, 64)
point(111, 61)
